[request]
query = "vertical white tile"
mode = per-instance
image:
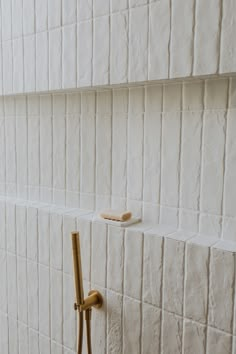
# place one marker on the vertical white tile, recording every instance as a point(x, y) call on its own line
point(190, 160)
point(84, 53)
point(23, 337)
point(152, 269)
point(196, 282)
point(216, 93)
point(171, 125)
point(33, 295)
point(13, 335)
point(21, 233)
point(46, 166)
point(33, 341)
point(42, 61)
point(56, 306)
point(12, 285)
point(131, 326)
point(3, 280)
point(115, 261)
point(10, 131)
point(59, 161)
point(41, 11)
point(103, 154)
point(87, 167)
point(28, 16)
point(73, 106)
point(118, 5)
point(2, 154)
point(44, 345)
point(56, 241)
point(152, 144)
point(6, 8)
point(100, 8)
point(228, 44)
point(59, 145)
point(135, 145)
point(229, 228)
point(44, 300)
point(210, 225)
point(138, 44)
point(54, 13)
point(181, 55)
point(32, 234)
point(18, 73)
point(84, 226)
point(151, 329)
point(84, 10)
point(69, 314)
point(69, 11)
point(56, 348)
point(99, 254)
point(230, 172)
point(73, 159)
point(101, 57)
point(218, 342)
point(44, 237)
point(69, 61)
point(119, 48)
point(193, 93)
point(22, 152)
point(29, 63)
point(173, 277)
point(194, 339)
point(207, 31)
point(1, 70)
point(212, 165)
point(55, 59)
point(172, 333)
point(11, 227)
point(3, 243)
point(7, 61)
point(222, 275)
point(159, 32)
point(69, 225)
point(17, 18)
point(33, 156)
point(99, 326)
point(22, 290)
point(114, 323)
point(119, 146)
point(4, 342)
point(133, 263)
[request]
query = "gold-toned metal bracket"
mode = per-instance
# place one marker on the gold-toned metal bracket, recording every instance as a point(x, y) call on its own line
point(94, 298)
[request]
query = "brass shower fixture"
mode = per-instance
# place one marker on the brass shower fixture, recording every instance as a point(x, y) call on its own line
point(82, 304)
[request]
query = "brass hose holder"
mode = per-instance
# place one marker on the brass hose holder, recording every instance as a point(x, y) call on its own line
point(94, 299)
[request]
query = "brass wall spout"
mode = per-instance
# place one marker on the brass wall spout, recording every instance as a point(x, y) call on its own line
point(82, 304)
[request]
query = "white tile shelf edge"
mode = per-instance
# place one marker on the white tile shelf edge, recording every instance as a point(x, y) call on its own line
point(159, 230)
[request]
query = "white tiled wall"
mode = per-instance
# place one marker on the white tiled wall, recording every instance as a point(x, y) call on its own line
point(165, 291)
point(59, 44)
point(166, 152)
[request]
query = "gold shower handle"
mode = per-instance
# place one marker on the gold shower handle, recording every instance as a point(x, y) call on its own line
point(79, 291)
point(94, 298)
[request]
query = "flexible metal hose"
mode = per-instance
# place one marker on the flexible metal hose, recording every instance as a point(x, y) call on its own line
point(80, 332)
point(88, 327)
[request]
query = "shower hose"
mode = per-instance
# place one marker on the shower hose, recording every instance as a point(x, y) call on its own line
point(81, 328)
